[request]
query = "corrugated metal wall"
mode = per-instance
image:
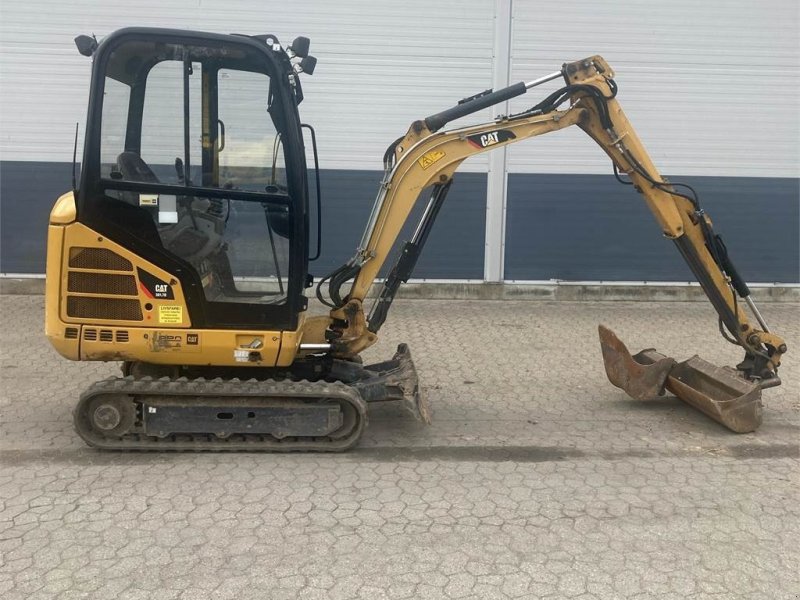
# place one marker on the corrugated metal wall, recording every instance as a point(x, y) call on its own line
point(380, 65)
point(711, 87)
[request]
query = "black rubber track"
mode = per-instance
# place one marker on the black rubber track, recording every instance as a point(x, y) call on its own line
point(130, 389)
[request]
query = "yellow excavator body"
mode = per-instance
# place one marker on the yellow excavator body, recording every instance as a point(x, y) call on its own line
point(193, 274)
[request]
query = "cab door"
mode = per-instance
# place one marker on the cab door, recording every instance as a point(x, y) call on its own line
point(194, 160)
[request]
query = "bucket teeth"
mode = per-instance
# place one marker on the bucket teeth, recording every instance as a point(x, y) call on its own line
point(719, 392)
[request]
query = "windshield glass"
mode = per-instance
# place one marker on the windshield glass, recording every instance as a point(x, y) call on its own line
point(189, 115)
point(200, 117)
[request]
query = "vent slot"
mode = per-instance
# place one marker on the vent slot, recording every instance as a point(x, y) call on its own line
point(122, 336)
point(106, 335)
point(71, 333)
point(90, 335)
point(113, 309)
point(98, 258)
point(101, 283)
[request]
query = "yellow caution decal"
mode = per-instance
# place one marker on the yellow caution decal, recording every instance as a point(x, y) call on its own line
point(431, 157)
point(172, 314)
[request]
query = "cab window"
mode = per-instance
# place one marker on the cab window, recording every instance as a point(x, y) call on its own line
point(200, 118)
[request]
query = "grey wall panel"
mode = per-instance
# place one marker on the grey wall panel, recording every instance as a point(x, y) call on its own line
point(589, 227)
point(454, 250)
point(28, 191)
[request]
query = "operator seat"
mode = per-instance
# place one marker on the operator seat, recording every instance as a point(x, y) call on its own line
point(132, 168)
point(126, 210)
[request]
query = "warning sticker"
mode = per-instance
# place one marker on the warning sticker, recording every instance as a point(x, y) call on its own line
point(431, 157)
point(148, 199)
point(170, 314)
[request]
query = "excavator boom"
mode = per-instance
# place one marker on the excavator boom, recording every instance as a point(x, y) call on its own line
point(428, 158)
point(192, 270)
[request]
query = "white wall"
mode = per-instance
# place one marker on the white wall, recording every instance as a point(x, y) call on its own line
point(711, 86)
point(380, 65)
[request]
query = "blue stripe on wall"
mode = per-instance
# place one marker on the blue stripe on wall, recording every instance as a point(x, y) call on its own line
point(570, 227)
point(27, 193)
point(454, 250)
point(589, 227)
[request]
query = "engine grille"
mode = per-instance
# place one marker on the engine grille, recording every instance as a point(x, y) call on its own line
point(107, 305)
point(98, 258)
point(101, 283)
point(114, 309)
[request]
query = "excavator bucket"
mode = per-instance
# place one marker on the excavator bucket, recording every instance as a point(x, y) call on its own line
point(719, 392)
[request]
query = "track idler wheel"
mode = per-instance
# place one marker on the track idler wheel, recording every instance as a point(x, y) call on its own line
point(108, 415)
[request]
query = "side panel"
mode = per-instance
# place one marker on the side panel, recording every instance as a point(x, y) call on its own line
point(181, 346)
point(65, 339)
point(101, 280)
point(102, 304)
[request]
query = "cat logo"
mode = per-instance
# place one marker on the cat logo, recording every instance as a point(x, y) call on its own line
point(153, 287)
point(484, 140)
point(489, 139)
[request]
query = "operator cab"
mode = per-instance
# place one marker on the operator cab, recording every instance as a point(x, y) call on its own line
point(194, 160)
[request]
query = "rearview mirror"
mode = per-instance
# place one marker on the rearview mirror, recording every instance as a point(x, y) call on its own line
point(300, 46)
point(86, 45)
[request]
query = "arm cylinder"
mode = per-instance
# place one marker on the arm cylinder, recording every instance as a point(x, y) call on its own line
point(440, 119)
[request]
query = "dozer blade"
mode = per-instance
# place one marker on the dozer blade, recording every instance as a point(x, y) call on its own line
point(396, 379)
point(719, 392)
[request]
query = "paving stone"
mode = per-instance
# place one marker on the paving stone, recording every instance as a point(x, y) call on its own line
point(537, 479)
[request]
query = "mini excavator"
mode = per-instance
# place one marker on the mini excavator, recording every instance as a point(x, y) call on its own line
point(184, 251)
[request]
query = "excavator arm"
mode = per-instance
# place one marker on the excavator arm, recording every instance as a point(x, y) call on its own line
point(428, 158)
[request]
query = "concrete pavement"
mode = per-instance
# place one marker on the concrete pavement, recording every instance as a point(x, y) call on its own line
point(537, 479)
